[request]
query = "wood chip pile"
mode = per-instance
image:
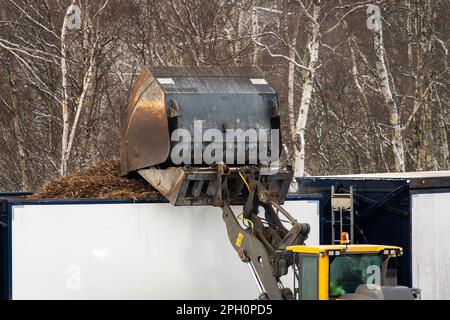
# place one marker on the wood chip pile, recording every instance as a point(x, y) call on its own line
point(99, 182)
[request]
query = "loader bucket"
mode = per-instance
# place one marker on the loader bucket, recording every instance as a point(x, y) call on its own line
point(146, 136)
point(168, 100)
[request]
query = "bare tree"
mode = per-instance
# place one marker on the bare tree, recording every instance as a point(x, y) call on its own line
point(386, 91)
point(308, 87)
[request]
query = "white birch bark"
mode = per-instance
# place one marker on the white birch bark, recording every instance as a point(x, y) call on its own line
point(291, 77)
point(308, 87)
point(255, 31)
point(291, 88)
point(69, 131)
point(64, 94)
point(394, 120)
point(240, 36)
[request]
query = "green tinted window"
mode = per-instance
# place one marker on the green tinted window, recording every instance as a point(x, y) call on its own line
point(308, 277)
point(348, 272)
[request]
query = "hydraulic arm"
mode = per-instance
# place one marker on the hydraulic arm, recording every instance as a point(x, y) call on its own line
point(261, 245)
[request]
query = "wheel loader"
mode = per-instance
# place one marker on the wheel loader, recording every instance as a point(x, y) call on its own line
point(209, 136)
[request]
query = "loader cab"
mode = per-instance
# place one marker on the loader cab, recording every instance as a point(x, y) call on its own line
point(332, 272)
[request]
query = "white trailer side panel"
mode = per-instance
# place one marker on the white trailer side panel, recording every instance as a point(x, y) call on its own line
point(308, 212)
point(130, 251)
point(430, 243)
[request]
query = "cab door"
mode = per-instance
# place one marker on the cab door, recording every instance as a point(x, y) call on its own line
point(307, 275)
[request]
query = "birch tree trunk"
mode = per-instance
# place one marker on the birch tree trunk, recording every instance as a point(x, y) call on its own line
point(308, 87)
point(69, 132)
point(240, 30)
point(290, 38)
point(291, 82)
point(426, 158)
point(291, 88)
point(64, 94)
point(255, 31)
point(389, 101)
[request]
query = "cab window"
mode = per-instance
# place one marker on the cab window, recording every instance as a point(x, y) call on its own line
point(347, 272)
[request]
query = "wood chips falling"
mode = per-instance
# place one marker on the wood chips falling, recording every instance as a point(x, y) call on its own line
point(99, 182)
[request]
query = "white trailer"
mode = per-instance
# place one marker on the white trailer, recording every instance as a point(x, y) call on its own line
point(430, 240)
point(114, 250)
